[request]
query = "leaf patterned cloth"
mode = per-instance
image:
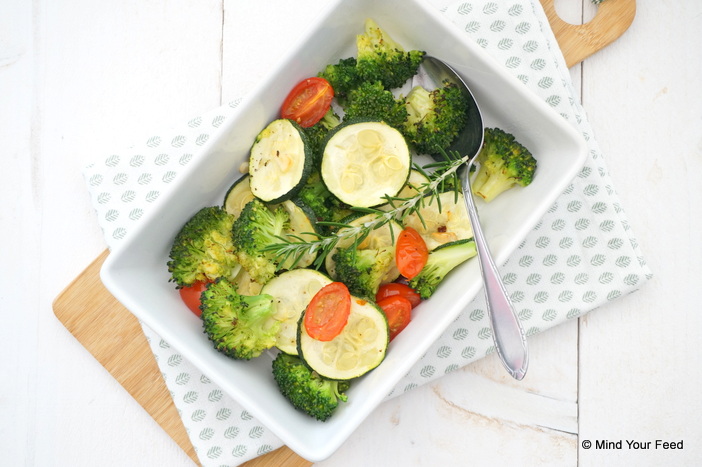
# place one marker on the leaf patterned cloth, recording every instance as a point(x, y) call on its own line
point(581, 255)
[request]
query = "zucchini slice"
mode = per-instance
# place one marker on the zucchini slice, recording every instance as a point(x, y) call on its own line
point(292, 292)
point(441, 222)
point(364, 162)
point(280, 161)
point(302, 225)
point(414, 182)
point(411, 188)
point(381, 237)
point(238, 196)
point(359, 348)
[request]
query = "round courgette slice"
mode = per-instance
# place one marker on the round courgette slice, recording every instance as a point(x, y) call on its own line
point(292, 292)
point(365, 162)
point(280, 161)
point(359, 348)
point(441, 221)
point(302, 227)
point(416, 181)
point(238, 196)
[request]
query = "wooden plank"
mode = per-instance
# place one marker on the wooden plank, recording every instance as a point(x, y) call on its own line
point(115, 338)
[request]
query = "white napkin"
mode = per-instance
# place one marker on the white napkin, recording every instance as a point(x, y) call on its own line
point(580, 256)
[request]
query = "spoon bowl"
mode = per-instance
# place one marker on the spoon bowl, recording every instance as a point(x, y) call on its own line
point(507, 332)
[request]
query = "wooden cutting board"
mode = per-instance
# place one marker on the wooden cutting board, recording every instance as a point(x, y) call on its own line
point(115, 338)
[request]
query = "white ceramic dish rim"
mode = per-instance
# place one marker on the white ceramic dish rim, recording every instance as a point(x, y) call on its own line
point(140, 262)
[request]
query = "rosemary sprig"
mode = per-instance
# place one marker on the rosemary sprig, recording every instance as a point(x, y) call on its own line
point(442, 175)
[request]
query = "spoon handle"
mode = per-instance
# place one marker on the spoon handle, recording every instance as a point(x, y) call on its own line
point(507, 332)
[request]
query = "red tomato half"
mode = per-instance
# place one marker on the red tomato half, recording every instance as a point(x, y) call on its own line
point(398, 311)
point(396, 288)
point(411, 252)
point(308, 101)
point(191, 296)
point(328, 311)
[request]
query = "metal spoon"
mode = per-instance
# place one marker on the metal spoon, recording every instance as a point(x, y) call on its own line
point(507, 332)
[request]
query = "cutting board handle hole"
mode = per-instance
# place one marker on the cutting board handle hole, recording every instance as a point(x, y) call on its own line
point(578, 41)
point(574, 16)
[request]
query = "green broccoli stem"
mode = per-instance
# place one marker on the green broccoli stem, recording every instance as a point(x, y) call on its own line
point(257, 307)
point(441, 261)
point(338, 390)
point(330, 119)
point(489, 187)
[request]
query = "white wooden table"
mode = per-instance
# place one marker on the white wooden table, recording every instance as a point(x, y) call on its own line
point(78, 77)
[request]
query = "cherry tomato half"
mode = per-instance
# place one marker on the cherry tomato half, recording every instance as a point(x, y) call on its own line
point(411, 252)
point(398, 311)
point(191, 296)
point(308, 101)
point(328, 311)
point(396, 288)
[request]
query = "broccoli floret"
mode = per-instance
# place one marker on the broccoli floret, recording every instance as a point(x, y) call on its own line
point(343, 76)
point(504, 162)
point(314, 395)
point(256, 227)
point(371, 101)
point(240, 326)
point(440, 262)
point(317, 133)
point(363, 271)
point(379, 58)
point(203, 249)
point(435, 118)
point(382, 59)
point(325, 206)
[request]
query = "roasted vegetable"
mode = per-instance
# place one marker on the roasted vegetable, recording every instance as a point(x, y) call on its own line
point(307, 391)
point(504, 163)
point(240, 326)
point(203, 250)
